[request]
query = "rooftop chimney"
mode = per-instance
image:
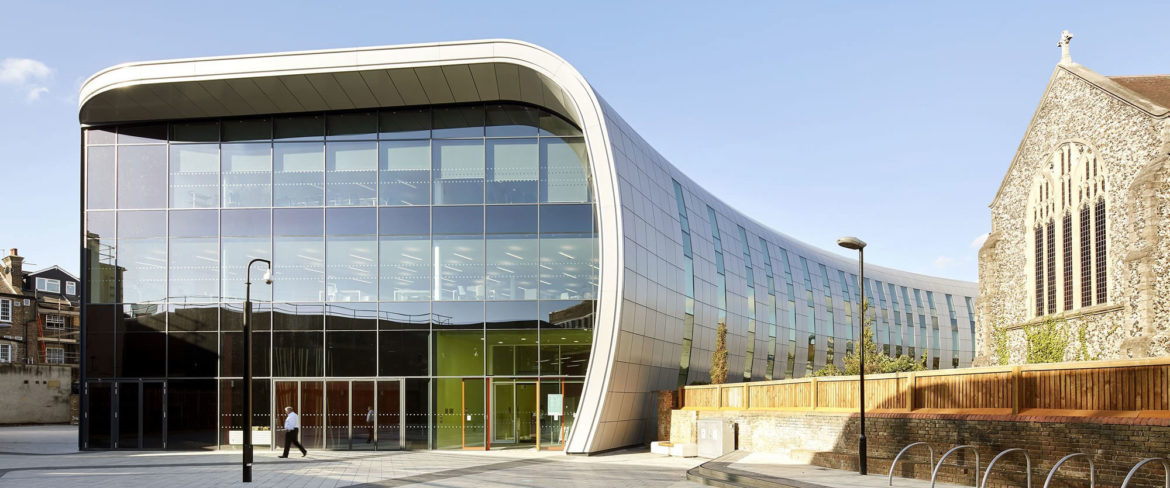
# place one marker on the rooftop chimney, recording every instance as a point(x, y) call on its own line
point(13, 269)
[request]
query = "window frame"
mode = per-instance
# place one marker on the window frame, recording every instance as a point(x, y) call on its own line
point(43, 284)
point(5, 353)
point(49, 357)
point(51, 325)
point(6, 311)
point(71, 288)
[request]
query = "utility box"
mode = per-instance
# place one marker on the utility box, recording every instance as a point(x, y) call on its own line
point(716, 437)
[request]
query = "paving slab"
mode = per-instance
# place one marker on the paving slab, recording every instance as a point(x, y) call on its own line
point(765, 470)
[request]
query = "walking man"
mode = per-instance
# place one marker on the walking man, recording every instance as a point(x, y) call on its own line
point(292, 427)
point(369, 424)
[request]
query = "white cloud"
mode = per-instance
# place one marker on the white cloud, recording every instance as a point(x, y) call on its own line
point(35, 92)
point(979, 240)
point(26, 75)
point(20, 71)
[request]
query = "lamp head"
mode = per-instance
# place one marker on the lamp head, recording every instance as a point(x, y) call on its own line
point(268, 276)
point(850, 242)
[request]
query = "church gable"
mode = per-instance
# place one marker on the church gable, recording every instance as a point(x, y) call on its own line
point(1065, 220)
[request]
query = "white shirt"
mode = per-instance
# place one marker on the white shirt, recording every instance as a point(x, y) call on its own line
point(292, 421)
point(370, 417)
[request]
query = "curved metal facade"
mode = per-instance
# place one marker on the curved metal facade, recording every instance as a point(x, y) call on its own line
point(673, 260)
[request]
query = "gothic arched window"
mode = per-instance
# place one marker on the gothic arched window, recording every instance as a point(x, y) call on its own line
point(1061, 219)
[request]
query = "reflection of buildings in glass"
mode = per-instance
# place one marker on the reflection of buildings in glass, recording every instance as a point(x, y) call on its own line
point(579, 316)
point(437, 244)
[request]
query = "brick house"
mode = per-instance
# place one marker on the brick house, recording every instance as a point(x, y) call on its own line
point(39, 314)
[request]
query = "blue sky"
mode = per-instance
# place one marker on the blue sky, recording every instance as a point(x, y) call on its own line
point(892, 121)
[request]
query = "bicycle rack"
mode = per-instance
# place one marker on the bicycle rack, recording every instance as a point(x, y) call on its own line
point(1165, 466)
point(1092, 469)
point(903, 451)
point(1027, 473)
point(948, 453)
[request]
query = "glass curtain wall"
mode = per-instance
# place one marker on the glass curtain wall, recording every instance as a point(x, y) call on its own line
point(435, 274)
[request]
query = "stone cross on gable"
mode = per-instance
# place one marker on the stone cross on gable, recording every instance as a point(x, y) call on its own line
point(1065, 39)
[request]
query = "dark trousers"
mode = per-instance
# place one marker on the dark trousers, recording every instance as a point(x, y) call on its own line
point(290, 437)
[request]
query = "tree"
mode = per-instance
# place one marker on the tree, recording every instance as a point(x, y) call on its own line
point(719, 357)
point(876, 360)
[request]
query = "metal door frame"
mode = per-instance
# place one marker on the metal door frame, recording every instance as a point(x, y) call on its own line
point(278, 410)
point(115, 420)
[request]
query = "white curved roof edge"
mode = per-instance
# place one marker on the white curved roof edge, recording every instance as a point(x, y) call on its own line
point(322, 61)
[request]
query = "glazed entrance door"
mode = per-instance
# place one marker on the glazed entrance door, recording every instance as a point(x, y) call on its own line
point(358, 414)
point(514, 413)
point(126, 415)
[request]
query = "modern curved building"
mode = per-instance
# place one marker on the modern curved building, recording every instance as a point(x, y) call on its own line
point(471, 249)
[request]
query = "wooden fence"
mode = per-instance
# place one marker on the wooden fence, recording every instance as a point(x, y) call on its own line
point(1126, 388)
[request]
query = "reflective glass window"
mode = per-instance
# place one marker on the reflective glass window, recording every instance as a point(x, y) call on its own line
point(459, 273)
point(458, 171)
point(512, 266)
point(142, 176)
point(351, 316)
point(512, 315)
point(458, 352)
point(566, 219)
point(142, 255)
point(404, 353)
point(100, 250)
point(467, 315)
point(554, 125)
point(404, 316)
point(564, 267)
point(232, 349)
point(407, 123)
point(192, 354)
point(566, 314)
point(195, 131)
point(246, 235)
point(351, 255)
point(299, 128)
point(298, 175)
point(142, 134)
point(99, 177)
point(404, 221)
point(351, 353)
point(508, 120)
point(564, 170)
point(457, 220)
point(298, 316)
point(351, 173)
point(405, 268)
point(513, 170)
point(405, 172)
point(457, 121)
point(298, 255)
point(351, 126)
point(247, 175)
point(192, 318)
point(511, 219)
point(194, 251)
point(297, 353)
point(513, 352)
point(247, 130)
point(194, 175)
point(100, 136)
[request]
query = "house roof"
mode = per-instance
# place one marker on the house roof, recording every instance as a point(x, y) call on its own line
point(58, 268)
point(1156, 88)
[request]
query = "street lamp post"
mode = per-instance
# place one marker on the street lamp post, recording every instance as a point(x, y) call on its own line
point(850, 242)
point(247, 461)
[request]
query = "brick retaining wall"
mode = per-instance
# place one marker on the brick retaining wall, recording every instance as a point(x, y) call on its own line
point(830, 439)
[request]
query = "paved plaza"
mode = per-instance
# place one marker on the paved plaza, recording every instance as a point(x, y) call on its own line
point(46, 456)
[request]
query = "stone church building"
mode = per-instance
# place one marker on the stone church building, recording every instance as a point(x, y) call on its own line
point(1080, 226)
